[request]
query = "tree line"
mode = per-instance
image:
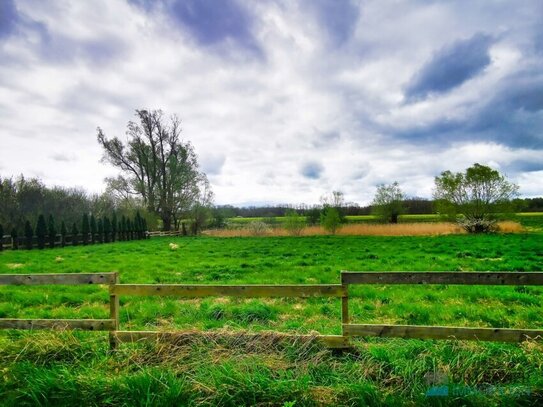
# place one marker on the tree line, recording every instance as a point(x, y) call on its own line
point(90, 230)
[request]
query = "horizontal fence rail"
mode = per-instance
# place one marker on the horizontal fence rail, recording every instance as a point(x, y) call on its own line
point(443, 277)
point(59, 324)
point(57, 279)
point(443, 332)
point(332, 341)
point(201, 290)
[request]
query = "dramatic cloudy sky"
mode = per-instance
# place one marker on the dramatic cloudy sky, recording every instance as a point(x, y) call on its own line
point(283, 100)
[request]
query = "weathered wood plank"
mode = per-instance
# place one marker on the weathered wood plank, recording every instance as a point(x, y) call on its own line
point(197, 290)
point(331, 341)
point(443, 277)
point(443, 332)
point(59, 324)
point(114, 306)
point(57, 279)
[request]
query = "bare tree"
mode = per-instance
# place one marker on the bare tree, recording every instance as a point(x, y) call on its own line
point(156, 165)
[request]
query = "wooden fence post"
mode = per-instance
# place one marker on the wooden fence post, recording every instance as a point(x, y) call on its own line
point(344, 307)
point(114, 312)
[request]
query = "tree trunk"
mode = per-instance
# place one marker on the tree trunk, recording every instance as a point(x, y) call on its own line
point(166, 222)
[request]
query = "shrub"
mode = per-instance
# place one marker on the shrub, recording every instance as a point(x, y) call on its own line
point(75, 233)
point(14, 239)
point(479, 225)
point(122, 228)
point(100, 229)
point(93, 229)
point(294, 223)
point(114, 227)
point(52, 231)
point(29, 234)
point(41, 231)
point(63, 233)
point(107, 229)
point(258, 228)
point(330, 219)
point(85, 229)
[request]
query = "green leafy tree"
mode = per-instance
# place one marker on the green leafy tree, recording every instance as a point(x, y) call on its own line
point(330, 219)
point(388, 203)
point(63, 233)
point(85, 229)
point(14, 239)
point(294, 223)
point(75, 235)
point(114, 227)
point(52, 231)
point(29, 235)
point(477, 198)
point(41, 231)
point(335, 200)
point(93, 229)
point(1, 237)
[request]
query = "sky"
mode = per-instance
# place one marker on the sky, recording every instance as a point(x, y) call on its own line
point(284, 101)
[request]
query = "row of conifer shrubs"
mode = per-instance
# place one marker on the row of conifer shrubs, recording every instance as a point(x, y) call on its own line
point(93, 231)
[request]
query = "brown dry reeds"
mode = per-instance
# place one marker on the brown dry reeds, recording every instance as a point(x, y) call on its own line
point(401, 229)
point(367, 229)
point(509, 226)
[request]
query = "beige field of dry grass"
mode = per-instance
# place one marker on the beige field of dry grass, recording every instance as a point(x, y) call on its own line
point(401, 229)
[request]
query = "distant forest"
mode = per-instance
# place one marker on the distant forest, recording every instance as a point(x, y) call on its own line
point(414, 206)
point(24, 199)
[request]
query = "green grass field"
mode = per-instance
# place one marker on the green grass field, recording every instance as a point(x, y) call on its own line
point(45, 368)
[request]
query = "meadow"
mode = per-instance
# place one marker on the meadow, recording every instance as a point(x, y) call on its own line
point(45, 368)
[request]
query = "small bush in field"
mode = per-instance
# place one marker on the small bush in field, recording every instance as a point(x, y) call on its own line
point(294, 223)
point(330, 220)
point(173, 247)
point(258, 228)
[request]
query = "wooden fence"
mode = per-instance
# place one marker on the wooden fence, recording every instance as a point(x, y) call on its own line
point(301, 291)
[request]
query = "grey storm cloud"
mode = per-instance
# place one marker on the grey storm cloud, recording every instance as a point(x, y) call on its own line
point(8, 17)
point(283, 100)
point(451, 66)
point(212, 164)
point(338, 18)
point(312, 170)
point(209, 22)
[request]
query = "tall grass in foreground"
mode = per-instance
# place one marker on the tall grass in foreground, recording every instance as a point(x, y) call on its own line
point(361, 229)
